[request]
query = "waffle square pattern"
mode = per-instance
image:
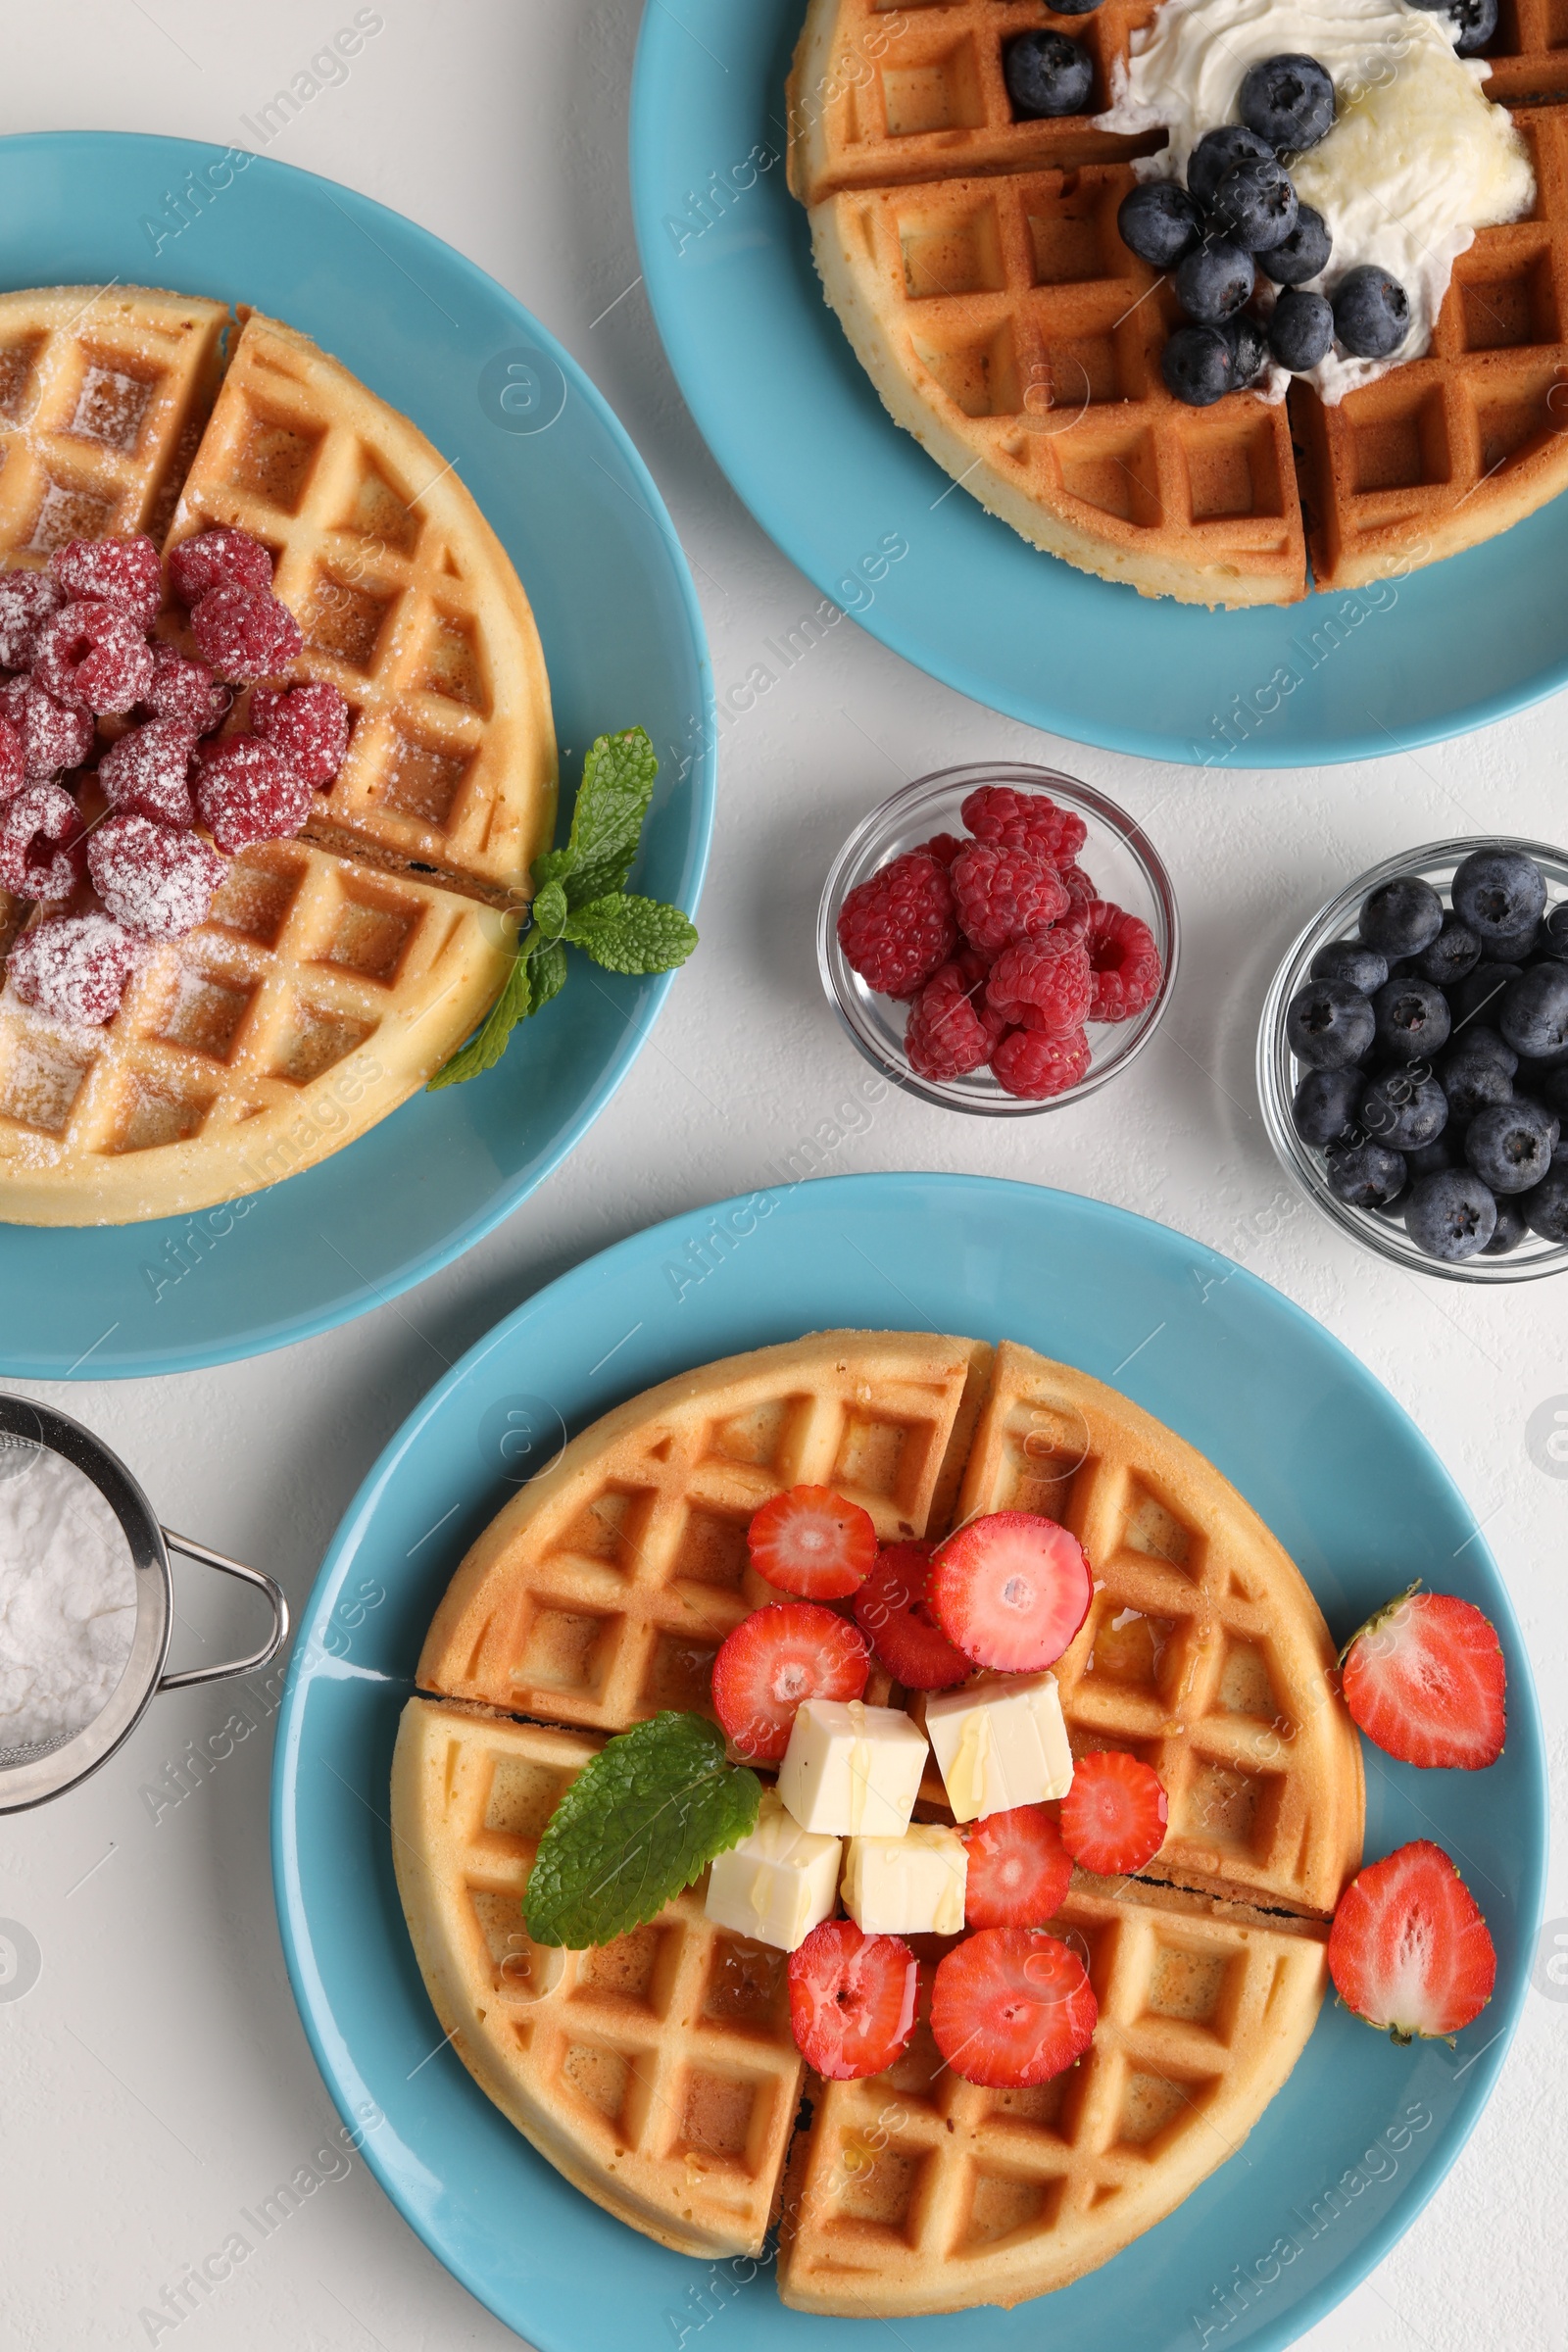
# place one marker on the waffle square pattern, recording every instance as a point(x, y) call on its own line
point(658, 2073)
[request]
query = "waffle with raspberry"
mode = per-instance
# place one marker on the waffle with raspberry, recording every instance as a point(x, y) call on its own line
point(335, 973)
point(975, 265)
point(659, 2073)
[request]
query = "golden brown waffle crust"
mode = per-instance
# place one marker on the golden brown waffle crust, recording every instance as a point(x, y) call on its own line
point(1209, 1970)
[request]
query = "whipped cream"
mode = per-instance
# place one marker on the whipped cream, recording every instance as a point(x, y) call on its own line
point(1417, 160)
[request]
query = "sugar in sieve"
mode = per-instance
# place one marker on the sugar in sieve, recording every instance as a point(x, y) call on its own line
point(36, 1771)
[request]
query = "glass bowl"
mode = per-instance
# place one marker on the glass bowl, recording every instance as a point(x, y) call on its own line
point(1126, 870)
point(1279, 1072)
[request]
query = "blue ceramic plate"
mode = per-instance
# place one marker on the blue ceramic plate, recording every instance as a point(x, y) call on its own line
point(796, 424)
point(1350, 2152)
point(623, 639)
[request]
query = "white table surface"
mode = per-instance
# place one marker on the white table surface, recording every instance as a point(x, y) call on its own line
point(154, 2078)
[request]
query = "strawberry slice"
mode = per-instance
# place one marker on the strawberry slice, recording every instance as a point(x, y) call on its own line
point(812, 1542)
point(776, 1658)
point(1409, 1950)
point(1010, 2008)
point(1425, 1679)
point(1011, 1590)
point(852, 1999)
point(1113, 1816)
point(893, 1612)
point(1019, 1870)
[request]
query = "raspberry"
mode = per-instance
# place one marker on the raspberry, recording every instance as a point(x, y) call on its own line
point(1024, 820)
point(26, 600)
point(219, 559)
point(1048, 977)
point(13, 761)
point(52, 737)
point(896, 927)
point(944, 846)
point(92, 656)
point(1034, 1065)
point(1125, 963)
point(308, 724)
point(40, 835)
point(244, 632)
point(125, 572)
point(1076, 883)
point(952, 1028)
point(186, 691)
point(146, 772)
point(1003, 895)
point(156, 882)
point(75, 969)
point(246, 792)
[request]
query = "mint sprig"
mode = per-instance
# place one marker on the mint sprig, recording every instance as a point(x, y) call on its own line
point(581, 899)
point(639, 1823)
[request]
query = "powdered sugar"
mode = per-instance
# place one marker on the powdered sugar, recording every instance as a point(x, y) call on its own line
point(74, 969)
point(156, 882)
point(67, 1598)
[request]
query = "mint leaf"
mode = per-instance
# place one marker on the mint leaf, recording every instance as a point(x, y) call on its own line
point(618, 785)
point(639, 1823)
point(632, 935)
point(550, 912)
point(554, 867)
point(515, 1001)
point(549, 965)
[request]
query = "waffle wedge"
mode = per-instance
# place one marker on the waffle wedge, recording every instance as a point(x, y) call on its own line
point(337, 972)
point(654, 2072)
point(974, 263)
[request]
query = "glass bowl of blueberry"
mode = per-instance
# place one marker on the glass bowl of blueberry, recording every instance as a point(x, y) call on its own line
point(1412, 1061)
point(999, 939)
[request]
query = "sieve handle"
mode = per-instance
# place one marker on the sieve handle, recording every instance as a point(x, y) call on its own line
point(249, 1576)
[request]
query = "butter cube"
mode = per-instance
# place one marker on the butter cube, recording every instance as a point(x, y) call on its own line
point(851, 1770)
point(908, 1885)
point(1000, 1743)
point(778, 1883)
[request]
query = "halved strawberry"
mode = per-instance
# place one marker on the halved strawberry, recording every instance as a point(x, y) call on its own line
point(1010, 2007)
point(852, 1999)
point(1113, 1816)
point(812, 1542)
point(1019, 1870)
point(776, 1658)
point(892, 1610)
point(1409, 1950)
point(1011, 1590)
point(1425, 1679)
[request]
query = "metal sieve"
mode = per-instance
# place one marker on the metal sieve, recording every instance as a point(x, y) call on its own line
point(32, 1774)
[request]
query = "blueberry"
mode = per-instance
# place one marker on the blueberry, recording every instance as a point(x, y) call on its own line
point(1160, 223)
point(1348, 960)
point(1412, 1020)
point(1255, 203)
point(1302, 331)
point(1514, 947)
point(1073, 8)
point(1303, 254)
point(1324, 1109)
point(1534, 1017)
point(1451, 1215)
point(1403, 1110)
point(1248, 341)
point(1477, 20)
point(1553, 1091)
point(1546, 1207)
point(1554, 931)
point(1288, 100)
point(1480, 994)
point(1371, 313)
point(1366, 1175)
point(1216, 152)
point(1477, 1072)
point(1499, 894)
point(1429, 1159)
point(1511, 1230)
point(1454, 952)
point(1401, 918)
point(1511, 1145)
point(1046, 73)
point(1198, 365)
point(1214, 280)
point(1328, 1024)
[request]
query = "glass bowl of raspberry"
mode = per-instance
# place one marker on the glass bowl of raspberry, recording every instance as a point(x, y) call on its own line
point(999, 939)
point(1389, 1090)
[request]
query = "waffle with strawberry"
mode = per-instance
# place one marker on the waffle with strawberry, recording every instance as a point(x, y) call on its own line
point(858, 1529)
